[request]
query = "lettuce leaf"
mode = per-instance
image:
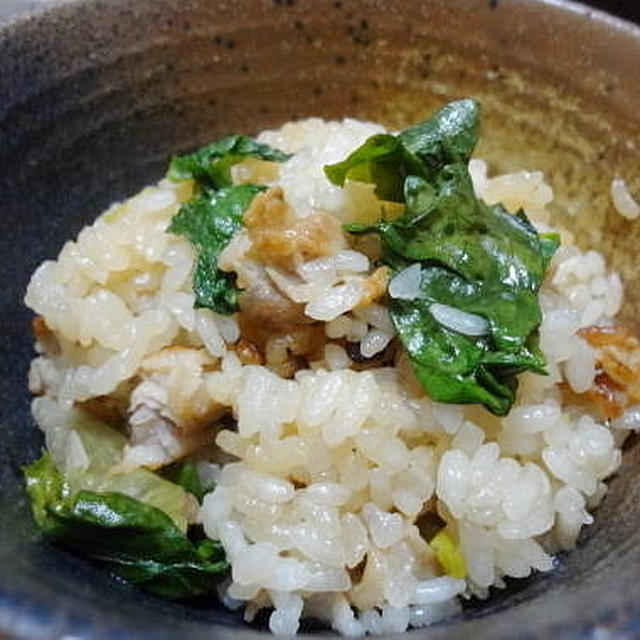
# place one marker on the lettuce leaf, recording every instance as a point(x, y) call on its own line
point(133, 540)
point(86, 450)
point(474, 258)
point(185, 474)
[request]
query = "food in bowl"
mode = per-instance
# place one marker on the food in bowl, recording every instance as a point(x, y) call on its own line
point(333, 372)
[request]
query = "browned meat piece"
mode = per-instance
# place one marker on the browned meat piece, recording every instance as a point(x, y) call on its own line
point(262, 302)
point(173, 377)
point(618, 356)
point(110, 409)
point(282, 240)
point(304, 342)
point(248, 352)
point(606, 398)
point(617, 384)
point(45, 336)
point(39, 328)
point(375, 286)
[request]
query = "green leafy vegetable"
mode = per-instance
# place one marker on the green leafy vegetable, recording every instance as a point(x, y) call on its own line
point(214, 214)
point(185, 474)
point(386, 160)
point(209, 221)
point(473, 259)
point(135, 541)
point(211, 165)
point(382, 160)
point(69, 429)
point(449, 137)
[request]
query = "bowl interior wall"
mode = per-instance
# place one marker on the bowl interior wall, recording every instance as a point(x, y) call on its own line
point(95, 96)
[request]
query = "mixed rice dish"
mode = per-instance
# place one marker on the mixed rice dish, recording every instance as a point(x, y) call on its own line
point(332, 373)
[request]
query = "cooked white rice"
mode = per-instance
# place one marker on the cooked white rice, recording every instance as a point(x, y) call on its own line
point(623, 201)
point(332, 466)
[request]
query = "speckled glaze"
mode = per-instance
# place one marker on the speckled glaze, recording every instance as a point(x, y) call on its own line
point(95, 95)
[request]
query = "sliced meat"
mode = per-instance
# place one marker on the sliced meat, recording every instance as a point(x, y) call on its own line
point(171, 413)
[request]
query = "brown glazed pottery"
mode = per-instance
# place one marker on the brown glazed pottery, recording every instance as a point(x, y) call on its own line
point(95, 95)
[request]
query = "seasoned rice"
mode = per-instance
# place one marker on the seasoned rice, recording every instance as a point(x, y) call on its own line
point(334, 454)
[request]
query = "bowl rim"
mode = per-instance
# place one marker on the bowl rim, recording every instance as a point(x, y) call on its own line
point(9, 602)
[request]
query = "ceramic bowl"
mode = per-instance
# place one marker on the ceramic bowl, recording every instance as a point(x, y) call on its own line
point(94, 97)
